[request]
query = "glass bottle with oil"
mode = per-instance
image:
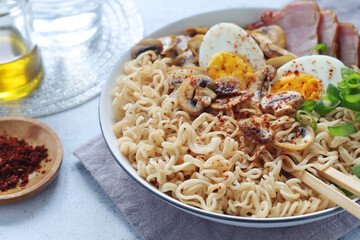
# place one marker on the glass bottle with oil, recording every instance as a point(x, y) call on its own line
point(20, 62)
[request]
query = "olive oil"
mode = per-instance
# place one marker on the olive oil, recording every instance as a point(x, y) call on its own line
point(20, 65)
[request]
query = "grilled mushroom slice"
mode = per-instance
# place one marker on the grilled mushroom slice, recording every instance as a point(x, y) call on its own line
point(146, 45)
point(187, 58)
point(269, 48)
point(228, 85)
point(281, 103)
point(192, 31)
point(265, 75)
point(192, 95)
point(168, 43)
point(195, 42)
point(204, 95)
point(305, 137)
point(274, 32)
point(190, 70)
point(176, 75)
point(257, 129)
point(226, 103)
point(279, 61)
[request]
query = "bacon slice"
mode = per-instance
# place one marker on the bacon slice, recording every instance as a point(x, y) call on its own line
point(300, 21)
point(328, 31)
point(348, 39)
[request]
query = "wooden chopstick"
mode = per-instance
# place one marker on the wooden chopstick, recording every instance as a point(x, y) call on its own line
point(341, 179)
point(324, 189)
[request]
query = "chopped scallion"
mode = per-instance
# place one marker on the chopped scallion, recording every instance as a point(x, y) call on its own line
point(333, 91)
point(326, 104)
point(356, 170)
point(351, 101)
point(320, 46)
point(345, 72)
point(357, 117)
point(308, 105)
point(313, 123)
point(342, 130)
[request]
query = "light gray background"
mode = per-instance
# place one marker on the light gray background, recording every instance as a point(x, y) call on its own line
point(74, 206)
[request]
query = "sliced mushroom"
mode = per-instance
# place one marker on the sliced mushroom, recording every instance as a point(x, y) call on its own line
point(305, 137)
point(204, 95)
point(275, 33)
point(269, 48)
point(146, 45)
point(265, 75)
point(176, 75)
point(182, 42)
point(176, 79)
point(180, 47)
point(188, 90)
point(192, 31)
point(256, 129)
point(279, 61)
point(187, 58)
point(226, 103)
point(195, 42)
point(190, 70)
point(228, 85)
point(168, 43)
point(281, 103)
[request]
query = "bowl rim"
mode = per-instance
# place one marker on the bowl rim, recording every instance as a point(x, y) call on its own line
point(224, 218)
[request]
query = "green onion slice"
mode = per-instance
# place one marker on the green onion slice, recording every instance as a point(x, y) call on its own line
point(343, 87)
point(312, 124)
point(345, 72)
point(353, 81)
point(342, 130)
point(356, 170)
point(357, 117)
point(333, 91)
point(351, 101)
point(347, 193)
point(308, 105)
point(320, 46)
point(326, 104)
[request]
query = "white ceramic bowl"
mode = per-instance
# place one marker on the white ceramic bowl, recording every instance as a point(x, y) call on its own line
point(241, 17)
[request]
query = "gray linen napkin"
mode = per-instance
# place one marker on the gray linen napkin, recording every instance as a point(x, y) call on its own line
point(155, 219)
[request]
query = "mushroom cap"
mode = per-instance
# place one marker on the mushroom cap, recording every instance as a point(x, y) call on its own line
point(195, 42)
point(257, 129)
point(187, 91)
point(281, 103)
point(226, 103)
point(228, 85)
point(169, 43)
point(279, 61)
point(274, 32)
point(146, 45)
point(306, 137)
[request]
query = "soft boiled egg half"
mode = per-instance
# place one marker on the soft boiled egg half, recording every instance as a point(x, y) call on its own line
point(228, 50)
point(308, 75)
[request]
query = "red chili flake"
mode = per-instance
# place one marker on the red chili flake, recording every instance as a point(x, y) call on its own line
point(17, 160)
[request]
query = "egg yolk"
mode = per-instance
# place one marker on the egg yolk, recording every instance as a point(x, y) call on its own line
point(309, 86)
point(230, 64)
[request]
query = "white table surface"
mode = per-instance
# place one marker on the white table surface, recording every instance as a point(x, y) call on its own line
point(74, 206)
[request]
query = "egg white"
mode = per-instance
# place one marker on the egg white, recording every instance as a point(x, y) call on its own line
point(229, 37)
point(324, 68)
